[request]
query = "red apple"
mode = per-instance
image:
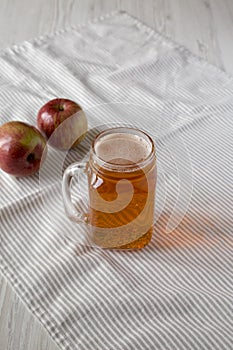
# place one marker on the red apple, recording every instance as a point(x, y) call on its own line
point(63, 122)
point(21, 148)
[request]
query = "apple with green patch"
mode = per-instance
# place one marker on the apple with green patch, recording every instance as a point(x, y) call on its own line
point(22, 148)
point(63, 122)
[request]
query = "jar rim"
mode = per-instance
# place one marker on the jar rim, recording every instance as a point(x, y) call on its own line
point(123, 167)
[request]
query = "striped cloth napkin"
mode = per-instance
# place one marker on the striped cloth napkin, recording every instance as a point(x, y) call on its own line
point(177, 292)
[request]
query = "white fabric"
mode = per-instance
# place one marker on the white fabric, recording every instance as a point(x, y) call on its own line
point(177, 292)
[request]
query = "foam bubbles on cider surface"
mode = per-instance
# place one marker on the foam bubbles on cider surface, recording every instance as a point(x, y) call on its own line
point(120, 148)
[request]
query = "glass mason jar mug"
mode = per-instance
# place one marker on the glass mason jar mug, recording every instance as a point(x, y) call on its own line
point(122, 180)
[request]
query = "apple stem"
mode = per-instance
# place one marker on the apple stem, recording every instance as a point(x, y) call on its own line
point(30, 157)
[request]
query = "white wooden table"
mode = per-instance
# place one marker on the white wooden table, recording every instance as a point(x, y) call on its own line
point(204, 26)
